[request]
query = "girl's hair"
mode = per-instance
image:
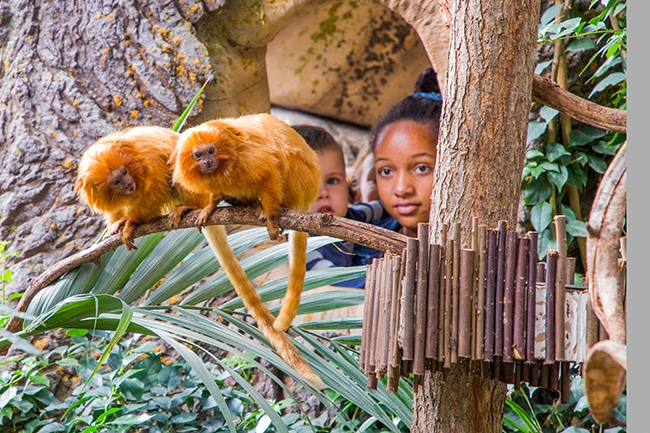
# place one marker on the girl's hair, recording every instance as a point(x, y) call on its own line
point(317, 138)
point(423, 106)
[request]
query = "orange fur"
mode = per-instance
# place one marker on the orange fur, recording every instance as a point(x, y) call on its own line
point(144, 151)
point(255, 160)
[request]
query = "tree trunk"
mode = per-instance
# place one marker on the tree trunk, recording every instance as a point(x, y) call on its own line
point(480, 156)
point(70, 73)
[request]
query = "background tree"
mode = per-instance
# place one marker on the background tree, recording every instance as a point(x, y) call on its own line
point(482, 137)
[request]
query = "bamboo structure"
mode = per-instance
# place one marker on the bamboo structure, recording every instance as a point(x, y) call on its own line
point(491, 304)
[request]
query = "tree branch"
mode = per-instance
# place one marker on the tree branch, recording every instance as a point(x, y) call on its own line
point(316, 223)
point(548, 92)
point(605, 226)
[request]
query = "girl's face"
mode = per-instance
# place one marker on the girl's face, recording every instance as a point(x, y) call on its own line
point(333, 193)
point(405, 156)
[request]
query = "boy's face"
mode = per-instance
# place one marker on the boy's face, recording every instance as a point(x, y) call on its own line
point(405, 156)
point(333, 191)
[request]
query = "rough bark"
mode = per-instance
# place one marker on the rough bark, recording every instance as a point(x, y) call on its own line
point(71, 72)
point(481, 145)
point(464, 402)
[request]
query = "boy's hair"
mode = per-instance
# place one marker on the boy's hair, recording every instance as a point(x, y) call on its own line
point(423, 106)
point(318, 138)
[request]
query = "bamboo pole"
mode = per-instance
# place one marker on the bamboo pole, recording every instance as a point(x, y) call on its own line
point(480, 300)
point(509, 294)
point(433, 304)
point(395, 353)
point(551, 268)
point(531, 293)
point(421, 299)
point(455, 293)
point(409, 298)
point(501, 262)
point(448, 302)
point(519, 334)
point(490, 296)
point(465, 303)
point(560, 285)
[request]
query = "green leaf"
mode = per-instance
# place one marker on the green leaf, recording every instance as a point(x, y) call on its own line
point(537, 191)
point(541, 216)
point(535, 130)
point(549, 166)
point(541, 66)
point(549, 14)
point(548, 113)
point(581, 44)
point(131, 420)
point(586, 135)
point(559, 178)
point(329, 300)
point(181, 120)
point(554, 151)
point(166, 255)
point(533, 154)
point(610, 80)
point(577, 228)
point(598, 164)
point(545, 242)
point(197, 365)
point(604, 148)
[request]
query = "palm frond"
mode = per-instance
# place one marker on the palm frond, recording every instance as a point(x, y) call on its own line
point(142, 283)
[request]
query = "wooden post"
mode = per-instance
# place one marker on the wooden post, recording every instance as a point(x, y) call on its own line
point(431, 349)
point(509, 294)
point(465, 303)
point(421, 298)
point(490, 296)
point(409, 298)
point(530, 300)
point(551, 268)
point(520, 299)
point(455, 293)
point(560, 285)
point(480, 301)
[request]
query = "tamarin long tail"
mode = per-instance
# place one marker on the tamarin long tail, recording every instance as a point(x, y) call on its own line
point(216, 236)
point(297, 270)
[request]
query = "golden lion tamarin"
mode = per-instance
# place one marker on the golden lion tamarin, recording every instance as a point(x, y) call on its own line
point(125, 176)
point(257, 160)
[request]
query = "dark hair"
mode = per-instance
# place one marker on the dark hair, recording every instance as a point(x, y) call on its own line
point(317, 138)
point(423, 106)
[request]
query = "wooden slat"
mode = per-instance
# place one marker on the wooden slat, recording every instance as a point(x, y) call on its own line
point(409, 298)
point(465, 303)
point(509, 295)
point(521, 276)
point(490, 296)
point(433, 303)
point(421, 299)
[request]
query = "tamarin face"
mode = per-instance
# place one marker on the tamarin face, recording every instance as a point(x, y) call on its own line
point(206, 157)
point(121, 181)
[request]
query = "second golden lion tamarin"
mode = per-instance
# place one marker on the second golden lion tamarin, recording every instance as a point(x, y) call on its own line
point(256, 160)
point(126, 176)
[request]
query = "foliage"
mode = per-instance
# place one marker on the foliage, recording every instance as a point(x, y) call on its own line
point(139, 389)
point(159, 290)
point(553, 168)
point(524, 414)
